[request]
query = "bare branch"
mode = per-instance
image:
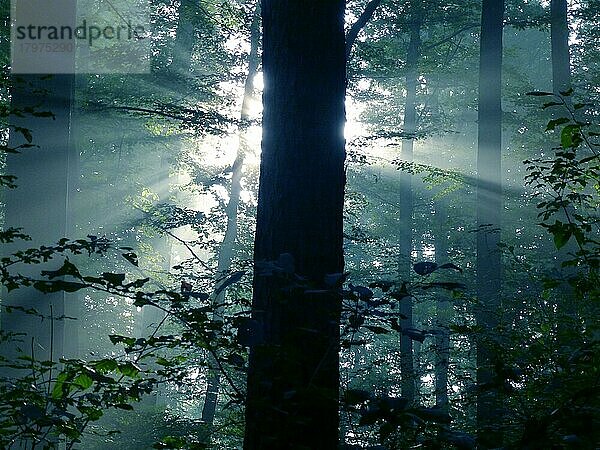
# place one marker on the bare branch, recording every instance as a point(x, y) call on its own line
point(360, 24)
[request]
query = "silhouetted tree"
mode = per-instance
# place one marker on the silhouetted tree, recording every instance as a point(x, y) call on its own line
point(293, 378)
point(489, 208)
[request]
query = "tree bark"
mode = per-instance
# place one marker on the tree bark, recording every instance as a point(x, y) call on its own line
point(489, 208)
point(408, 381)
point(293, 379)
point(443, 313)
point(559, 36)
point(231, 210)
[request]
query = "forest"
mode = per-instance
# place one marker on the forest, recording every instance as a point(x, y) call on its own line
point(300, 224)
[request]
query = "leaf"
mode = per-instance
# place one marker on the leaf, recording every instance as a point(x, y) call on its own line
point(377, 330)
point(363, 292)
point(399, 294)
point(129, 369)
point(382, 284)
point(116, 279)
point(566, 93)
point(106, 365)
point(425, 268)
point(48, 287)
point(570, 136)
point(25, 132)
point(450, 266)
point(549, 104)
point(32, 412)
point(356, 396)
point(58, 391)
point(356, 321)
point(561, 233)
point(539, 93)
point(67, 268)
point(233, 278)
point(131, 257)
point(448, 285)
point(236, 360)
point(83, 380)
point(124, 406)
point(561, 238)
point(555, 122)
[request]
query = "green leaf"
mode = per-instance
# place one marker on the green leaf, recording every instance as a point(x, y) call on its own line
point(129, 369)
point(570, 136)
point(561, 233)
point(106, 365)
point(59, 390)
point(83, 380)
point(555, 122)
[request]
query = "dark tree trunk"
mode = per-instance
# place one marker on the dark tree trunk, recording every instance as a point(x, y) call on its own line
point(489, 208)
point(559, 31)
point(293, 379)
point(408, 382)
point(228, 245)
point(443, 312)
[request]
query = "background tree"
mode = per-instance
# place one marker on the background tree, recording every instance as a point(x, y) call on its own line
point(489, 209)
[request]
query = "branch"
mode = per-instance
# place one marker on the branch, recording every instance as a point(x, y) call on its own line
point(360, 24)
point(189, 248)
point(450, 37)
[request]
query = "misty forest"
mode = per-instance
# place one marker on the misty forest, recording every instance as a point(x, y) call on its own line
point(313, 224)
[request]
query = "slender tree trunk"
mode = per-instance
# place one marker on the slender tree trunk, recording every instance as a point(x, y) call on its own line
point(443, 313)
point(184, 38)
point(228, 245)
point(293, 378)
point(489, 208)
point(559, 32)
point(408, 382)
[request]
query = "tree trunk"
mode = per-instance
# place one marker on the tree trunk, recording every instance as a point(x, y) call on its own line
point(443, 313)
point(559, 32)
point(489, 208)
point(184, 38)
point(293, 378)
point(231, 211)
point(39, 205)
point(408, 382)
